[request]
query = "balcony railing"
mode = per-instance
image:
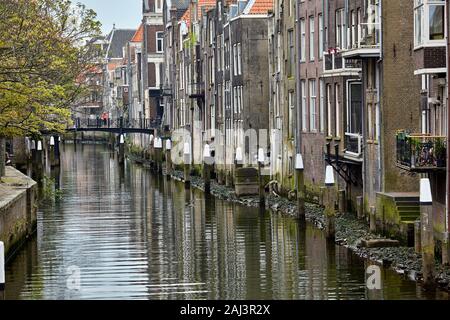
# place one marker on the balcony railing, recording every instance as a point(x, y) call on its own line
point(333, 61)
point(369, 43)
point(353, 144)
point(196, 90)
point(419, 152)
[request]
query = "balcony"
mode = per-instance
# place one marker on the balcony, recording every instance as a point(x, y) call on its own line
point(353, 145)
point(369, 45)
point(336, 65)
point(421, 152)
point(196, 90)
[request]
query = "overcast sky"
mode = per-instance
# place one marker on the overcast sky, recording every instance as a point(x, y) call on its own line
point(124, 13)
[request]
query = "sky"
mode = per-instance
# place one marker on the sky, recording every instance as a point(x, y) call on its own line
point(125, 14)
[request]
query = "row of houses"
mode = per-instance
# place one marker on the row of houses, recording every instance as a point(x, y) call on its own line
point(360, 85)
point(357, 84)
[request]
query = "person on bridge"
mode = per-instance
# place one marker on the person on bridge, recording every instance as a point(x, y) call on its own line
point(105, 118)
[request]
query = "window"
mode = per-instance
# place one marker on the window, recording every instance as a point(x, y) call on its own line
point(337, 110)
point(158, 6)
point(241, 98)
point(302, 40)
point(211, 31)
point(159, 42)
point(227, 55)
point(291, 58)
point(329, 133)
point(213, 121)
point(239, 58)
point(312, 105)
point(436, 20)
point(322, 105)
point(354, 108)
point(353, 28)
point(291, 114)
point(429, 21)
point(340, 28)
point(228, 95)
point(311, 38)
point(235, 99)
point(211, 71)
point(219, 53)
point(320, 36)
point(359, 29)
point(235, 59)
point(304, 105)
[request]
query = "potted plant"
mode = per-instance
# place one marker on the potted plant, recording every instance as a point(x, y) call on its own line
point(440, 152)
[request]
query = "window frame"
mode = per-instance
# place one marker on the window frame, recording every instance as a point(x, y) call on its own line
point(159, 39)
point(423, 39)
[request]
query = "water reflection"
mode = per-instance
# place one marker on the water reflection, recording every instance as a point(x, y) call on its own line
point(138, 236)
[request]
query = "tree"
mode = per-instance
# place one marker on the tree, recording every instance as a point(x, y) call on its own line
point(43, 52)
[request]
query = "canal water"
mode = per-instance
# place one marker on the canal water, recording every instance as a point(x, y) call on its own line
point(127, 234)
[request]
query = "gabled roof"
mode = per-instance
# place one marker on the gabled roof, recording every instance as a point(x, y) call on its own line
point(259, 7)
point(139, 35)
point(117, 39)
point(202, 4)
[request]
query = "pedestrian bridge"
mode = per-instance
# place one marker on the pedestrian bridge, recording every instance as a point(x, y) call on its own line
point(119, 125)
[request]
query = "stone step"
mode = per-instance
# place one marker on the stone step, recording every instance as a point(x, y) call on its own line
point(406, 198)
point(380, 243)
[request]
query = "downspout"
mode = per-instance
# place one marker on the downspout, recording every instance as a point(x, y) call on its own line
point(447, 207)
point(298, 136)
point(380, 103)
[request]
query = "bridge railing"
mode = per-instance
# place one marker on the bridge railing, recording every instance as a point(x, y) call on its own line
point(98, 123)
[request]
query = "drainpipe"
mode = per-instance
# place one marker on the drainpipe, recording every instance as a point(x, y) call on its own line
point(447, 207)
point(298, 136)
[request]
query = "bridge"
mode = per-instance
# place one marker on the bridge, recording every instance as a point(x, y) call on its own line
point(118, 126)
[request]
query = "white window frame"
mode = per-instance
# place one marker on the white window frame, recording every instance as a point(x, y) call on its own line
point(304, 106)
point(239, 57)
point(159, 40)
point(302, 40)
point(312, 30)
point(337, 109)
point(291, 105)
point(312, 105)
point(423, 7)
point(235, 59)
point(329, 130)
point(321, 36)
point(322, 105)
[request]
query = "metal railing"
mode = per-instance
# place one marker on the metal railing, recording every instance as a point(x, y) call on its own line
point(196, 90)
point(421, 151)
point(333, 61)
point(98, 123)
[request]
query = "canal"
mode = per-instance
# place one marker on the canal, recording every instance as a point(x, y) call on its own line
point(133, 235)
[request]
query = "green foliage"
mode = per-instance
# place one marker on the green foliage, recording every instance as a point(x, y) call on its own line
point(49, 192)
point(441, 149)
point(43, 53)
